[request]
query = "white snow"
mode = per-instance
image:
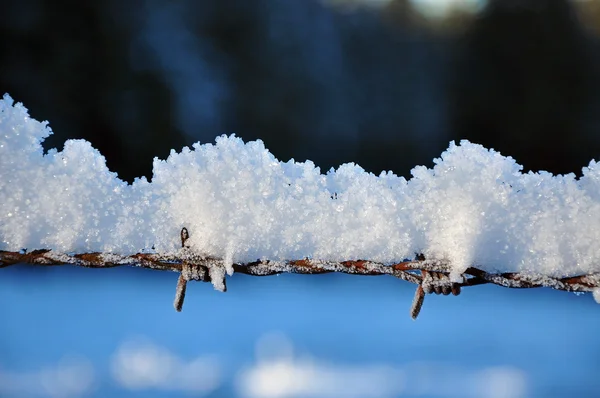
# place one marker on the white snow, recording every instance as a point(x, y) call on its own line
point(239, 203)
point(140, 364)
point(284, 374)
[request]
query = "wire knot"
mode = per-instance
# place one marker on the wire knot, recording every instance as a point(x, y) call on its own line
point(194, 272)
point(438, 283)
point(432, 282)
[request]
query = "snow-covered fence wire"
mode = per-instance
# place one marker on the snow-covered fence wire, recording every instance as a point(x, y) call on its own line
point(473, 218)
point(430, 276)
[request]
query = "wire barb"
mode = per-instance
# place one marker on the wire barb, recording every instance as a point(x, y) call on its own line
point(415, 308)
point(189, 272)
point(184, 236)
point(180, 293)
point(432, 282)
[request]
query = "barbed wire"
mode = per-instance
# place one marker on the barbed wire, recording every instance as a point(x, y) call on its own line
point(431, 276)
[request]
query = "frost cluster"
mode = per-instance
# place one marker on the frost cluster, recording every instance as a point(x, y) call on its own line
point(239, 203)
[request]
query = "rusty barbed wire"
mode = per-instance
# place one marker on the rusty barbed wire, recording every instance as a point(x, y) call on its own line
point(431, 276)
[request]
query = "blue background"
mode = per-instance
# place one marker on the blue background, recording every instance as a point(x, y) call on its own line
point(342, 320)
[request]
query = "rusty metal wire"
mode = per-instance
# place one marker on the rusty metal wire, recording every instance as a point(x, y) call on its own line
point(430, 276)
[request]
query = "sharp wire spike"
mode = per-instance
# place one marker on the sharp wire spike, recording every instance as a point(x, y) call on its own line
point(183, 275)
point(180, 293)
point(417, 303)
point(184, 236)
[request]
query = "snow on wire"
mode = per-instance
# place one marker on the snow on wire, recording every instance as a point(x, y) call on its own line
point(474, 208)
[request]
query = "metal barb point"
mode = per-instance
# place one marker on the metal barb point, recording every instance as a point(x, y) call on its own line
point(184, 276)
point(180, 293)
point(417, 303)
point(184, 236)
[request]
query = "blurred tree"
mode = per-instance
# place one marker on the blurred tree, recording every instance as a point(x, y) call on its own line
point(522, 84)
point(589, 13)
point(445, 24)
point(313, 79)
point(69, 62)
point(328, 84)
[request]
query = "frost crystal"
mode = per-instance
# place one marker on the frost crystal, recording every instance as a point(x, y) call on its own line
point(240, 204)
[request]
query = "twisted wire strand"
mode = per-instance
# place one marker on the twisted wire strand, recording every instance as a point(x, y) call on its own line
point(430, 276)
point(403, 270)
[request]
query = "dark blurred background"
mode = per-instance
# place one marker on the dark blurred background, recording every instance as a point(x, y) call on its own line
point(386, 84)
